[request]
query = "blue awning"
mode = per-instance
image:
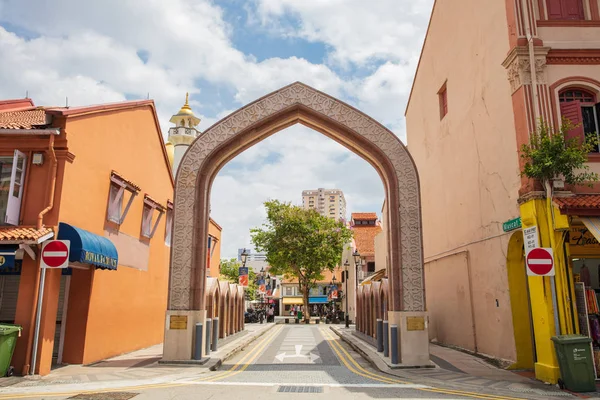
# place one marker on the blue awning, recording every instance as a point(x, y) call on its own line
point(7, 255)
point(89, 248)
point(318, 300)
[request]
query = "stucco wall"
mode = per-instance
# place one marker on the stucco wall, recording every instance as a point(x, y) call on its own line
point(468, 167)
point(215, 260)
point(127, 306)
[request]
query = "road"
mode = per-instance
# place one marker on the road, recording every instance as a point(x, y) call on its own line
point(289, 361)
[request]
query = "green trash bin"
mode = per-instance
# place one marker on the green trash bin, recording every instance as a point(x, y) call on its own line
point(8, 340)
point(576, 363)
point(299, 313)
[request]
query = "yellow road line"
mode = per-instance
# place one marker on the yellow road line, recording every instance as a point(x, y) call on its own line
point(124, 388)
point(393, 380)
point(242, 363)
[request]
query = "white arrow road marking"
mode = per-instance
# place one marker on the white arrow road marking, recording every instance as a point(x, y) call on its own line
point(311, 357)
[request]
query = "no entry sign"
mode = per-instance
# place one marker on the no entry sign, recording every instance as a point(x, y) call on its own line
point(540, 262)
point(55, 254)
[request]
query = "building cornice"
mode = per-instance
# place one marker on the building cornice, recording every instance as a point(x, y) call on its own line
point(573, 57)
point(518, 66)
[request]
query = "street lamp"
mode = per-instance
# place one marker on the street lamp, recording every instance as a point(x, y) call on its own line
point(244, 256)
point(346, 265)
point(356, 256)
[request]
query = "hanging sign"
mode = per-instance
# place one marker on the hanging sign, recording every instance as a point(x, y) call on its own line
point(540, 262)
point(530, 238)
point(55, 254)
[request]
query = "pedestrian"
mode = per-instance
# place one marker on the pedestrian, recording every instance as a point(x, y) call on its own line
point(270, 314)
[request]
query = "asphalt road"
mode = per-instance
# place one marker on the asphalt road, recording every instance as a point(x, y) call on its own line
point(289, 361)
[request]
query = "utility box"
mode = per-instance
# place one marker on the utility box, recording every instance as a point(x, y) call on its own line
point(574, 353)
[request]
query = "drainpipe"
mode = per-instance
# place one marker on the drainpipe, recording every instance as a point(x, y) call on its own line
point(52, 180)
point(531, 51)
point(30, 368)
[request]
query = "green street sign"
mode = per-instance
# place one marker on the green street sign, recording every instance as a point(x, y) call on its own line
point(512, 224)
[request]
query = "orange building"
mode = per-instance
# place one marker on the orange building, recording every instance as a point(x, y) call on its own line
point(98, 176)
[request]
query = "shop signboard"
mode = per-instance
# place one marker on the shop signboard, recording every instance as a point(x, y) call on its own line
point(540, 262)
point(511, 224)
point(581, 236)
point(531, 238)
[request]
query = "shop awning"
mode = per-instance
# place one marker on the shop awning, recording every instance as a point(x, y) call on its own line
point(292, 300)
point(89, 248)
point(318, 300)
point(593, 225)
point(7, 255)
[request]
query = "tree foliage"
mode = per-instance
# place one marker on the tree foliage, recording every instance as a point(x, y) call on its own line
point(550, 155)
point(300, 243)
point(229, 271)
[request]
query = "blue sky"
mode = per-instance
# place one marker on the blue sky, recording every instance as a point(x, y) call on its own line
point(227, 53)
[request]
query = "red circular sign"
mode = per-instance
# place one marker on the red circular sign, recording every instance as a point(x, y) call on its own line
point(55, 254)
point(540, 261)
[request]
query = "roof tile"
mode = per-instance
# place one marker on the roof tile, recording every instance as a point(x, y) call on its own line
point(127, 181)
point(361, 216)
point(28, 119)
point(587, 201)
point(15, 233)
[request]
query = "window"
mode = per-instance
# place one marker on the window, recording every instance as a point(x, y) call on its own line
point(169, 223)
point(370, 267)
point(118, 186)
point(443, 98)
point(150, 206)
point(565, 9)
point(12, 179)
point(580, 108)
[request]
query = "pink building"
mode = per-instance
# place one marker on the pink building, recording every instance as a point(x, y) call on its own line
point(474, 101)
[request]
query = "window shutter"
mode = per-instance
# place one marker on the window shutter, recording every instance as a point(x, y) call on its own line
point(572, 112)
point(555, 9)
point(572, 9)
point(15, 191)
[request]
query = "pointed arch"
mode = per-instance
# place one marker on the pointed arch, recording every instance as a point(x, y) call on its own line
point(296, 103)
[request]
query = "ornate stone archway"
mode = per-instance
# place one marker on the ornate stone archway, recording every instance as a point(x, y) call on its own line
point(296, 103)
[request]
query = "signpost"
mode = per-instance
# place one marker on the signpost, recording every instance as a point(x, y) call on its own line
point(511, 224)
point(531, 239)
point(540, 262)
point(54, 255)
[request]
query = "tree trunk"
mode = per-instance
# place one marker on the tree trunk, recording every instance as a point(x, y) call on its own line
point(305, 302)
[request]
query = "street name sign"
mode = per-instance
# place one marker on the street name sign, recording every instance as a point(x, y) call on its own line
point(540, 262)
point(55, 254)
point(511, 224)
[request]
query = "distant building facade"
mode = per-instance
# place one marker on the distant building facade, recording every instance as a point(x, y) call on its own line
point(328, 202)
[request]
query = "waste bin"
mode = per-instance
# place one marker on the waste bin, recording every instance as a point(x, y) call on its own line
point(576, 363)
point(8, 340)
point(299, 313)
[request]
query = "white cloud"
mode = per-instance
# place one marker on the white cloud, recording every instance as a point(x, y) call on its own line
point(88, 52)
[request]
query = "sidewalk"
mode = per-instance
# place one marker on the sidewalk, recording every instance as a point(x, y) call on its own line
point(457, 370)
point(140, 365)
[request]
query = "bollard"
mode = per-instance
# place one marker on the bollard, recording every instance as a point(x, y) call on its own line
point(215, 334)
point(379, 335)
point(287, 320)
point(386, 339)
point(394, 343)
point(199, 343)
point(208, 336)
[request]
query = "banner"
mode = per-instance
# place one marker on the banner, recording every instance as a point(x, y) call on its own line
point(262, 288)
point(243, 276)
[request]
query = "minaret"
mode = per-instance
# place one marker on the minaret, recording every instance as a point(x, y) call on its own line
point(182, 134)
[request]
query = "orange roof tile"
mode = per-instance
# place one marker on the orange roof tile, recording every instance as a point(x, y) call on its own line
point(22, 119)
point(13, 104)
point(20, 233)
point(586, 202)
point(368, 215)
point(127, 181)
point(364, 237)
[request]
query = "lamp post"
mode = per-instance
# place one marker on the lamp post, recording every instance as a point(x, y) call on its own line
point(244, 256)
point(356, 256)
point(346, 265)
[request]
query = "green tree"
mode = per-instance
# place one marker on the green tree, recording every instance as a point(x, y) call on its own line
point(229, 271)
point(550, 155)
point(300, 243)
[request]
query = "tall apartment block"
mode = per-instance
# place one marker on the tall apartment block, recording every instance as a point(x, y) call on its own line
point(328, 202)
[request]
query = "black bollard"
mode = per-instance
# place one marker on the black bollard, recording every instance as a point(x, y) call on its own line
point(394, 343)
point(215, 334)
point(208, 336)
point(379, 335)
point(386, 339)
point(199, 343)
